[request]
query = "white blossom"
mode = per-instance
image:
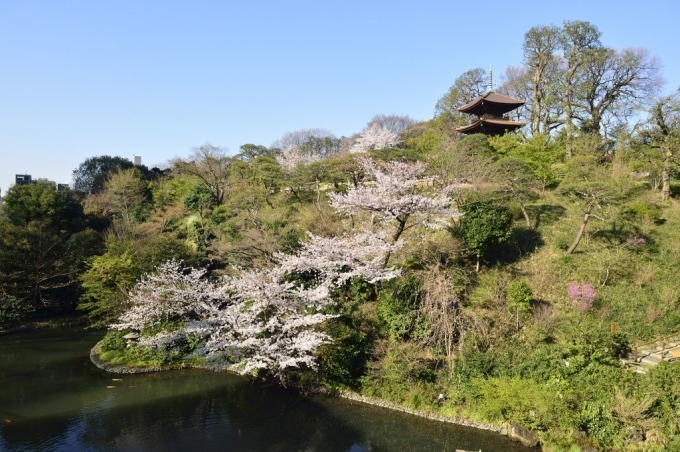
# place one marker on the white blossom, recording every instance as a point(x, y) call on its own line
point(292, 156)
point(262, 319)
point(172, 292)
point(375, 136)
point(392, 194)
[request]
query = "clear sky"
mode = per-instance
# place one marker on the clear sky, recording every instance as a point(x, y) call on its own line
point(156, 78)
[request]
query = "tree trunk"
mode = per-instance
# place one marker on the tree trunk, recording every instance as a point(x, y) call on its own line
point(395, 237)
point(666, 174)
point(536, 104)
point(477, 265)
point(525, 213)
point(568, 113)
point(586, 217)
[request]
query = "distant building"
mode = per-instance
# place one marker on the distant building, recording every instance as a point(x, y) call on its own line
point(137, 160)
point(27, 179)
point(24, 179)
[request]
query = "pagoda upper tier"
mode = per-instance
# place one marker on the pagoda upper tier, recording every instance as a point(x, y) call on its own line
point(490, 109)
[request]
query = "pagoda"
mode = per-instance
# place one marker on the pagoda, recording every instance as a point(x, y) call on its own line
point(491, 110)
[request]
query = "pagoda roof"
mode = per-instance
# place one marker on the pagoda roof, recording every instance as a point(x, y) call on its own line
point(491, 126)
point(491, 102)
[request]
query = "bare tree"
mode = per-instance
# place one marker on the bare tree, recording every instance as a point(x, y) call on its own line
point(617, 82)
point(664, 134)
point(211, 165)
point(393, 123)
point(579, 41)
point(540, 44)
point(446, 321)
point(317, 143)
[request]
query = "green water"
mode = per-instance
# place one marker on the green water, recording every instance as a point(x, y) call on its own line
point(53, 398)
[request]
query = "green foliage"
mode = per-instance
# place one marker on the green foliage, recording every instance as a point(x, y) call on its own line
point(57, 209)
point(519, 297)
point(111, 275)
point(541, 153)
point(641, 210)
point(402, 373)
point(425, 138)
point(468, 160)
point(13, 310)
point(43, 246)
point(519, 294)
point(342, 362)
point(135, 356)
point(108, 279)
point(537, 405)
point(392, 154)
point(483, 225)
point(466, 87)
point(91, 175)
point(113, 340)
point(398, 307)
point(250, 152)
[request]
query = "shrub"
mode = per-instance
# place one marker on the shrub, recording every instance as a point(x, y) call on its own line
point(13, 310)
point(113, 340)
point(398, 307)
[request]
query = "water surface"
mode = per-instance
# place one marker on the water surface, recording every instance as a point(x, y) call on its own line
point(53, 398)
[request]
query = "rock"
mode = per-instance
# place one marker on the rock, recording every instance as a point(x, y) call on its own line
point(633, 435)
point(522, 434)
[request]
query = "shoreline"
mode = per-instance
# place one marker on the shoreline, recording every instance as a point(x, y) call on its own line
point(345, 394)
point(58, 322)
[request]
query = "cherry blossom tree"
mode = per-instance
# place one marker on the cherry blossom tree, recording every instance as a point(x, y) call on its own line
point(277, 330)
point(375, 136)
point(292, 156)
point(393, 197)
point(263, 320)
point(170, 294)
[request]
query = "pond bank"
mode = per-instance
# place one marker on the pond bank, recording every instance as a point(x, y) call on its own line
point(62, 322)
point(349, 395)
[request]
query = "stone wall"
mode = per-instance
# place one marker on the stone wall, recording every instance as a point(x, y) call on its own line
point(423, 413)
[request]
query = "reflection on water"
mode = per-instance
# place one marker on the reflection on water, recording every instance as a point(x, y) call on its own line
point(53, 398)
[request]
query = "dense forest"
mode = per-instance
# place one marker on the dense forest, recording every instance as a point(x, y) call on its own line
point(498, 278)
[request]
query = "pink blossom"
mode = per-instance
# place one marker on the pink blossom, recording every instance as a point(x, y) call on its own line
point(581, 296)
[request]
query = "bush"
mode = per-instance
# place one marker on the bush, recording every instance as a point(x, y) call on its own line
point(398, 307)
point(539, 406)
point(343, 361)
point(113, 340)
point(13, 310)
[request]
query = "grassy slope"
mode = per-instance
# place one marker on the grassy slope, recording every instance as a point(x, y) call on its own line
point(557, 375)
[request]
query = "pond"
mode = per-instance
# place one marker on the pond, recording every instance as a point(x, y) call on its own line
point(53, 398)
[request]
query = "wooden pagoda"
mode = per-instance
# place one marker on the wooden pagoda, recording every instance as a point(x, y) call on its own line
point(491, 111)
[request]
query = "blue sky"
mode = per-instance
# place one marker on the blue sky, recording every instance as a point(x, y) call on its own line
point(81, 79)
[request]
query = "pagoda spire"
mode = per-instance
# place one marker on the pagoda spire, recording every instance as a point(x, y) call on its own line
point(490, 87)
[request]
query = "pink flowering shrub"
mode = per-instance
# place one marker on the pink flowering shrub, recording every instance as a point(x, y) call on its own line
point(581, 295)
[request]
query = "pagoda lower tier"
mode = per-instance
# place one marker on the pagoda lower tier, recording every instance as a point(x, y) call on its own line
point(491, 126)
point(490, 109)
